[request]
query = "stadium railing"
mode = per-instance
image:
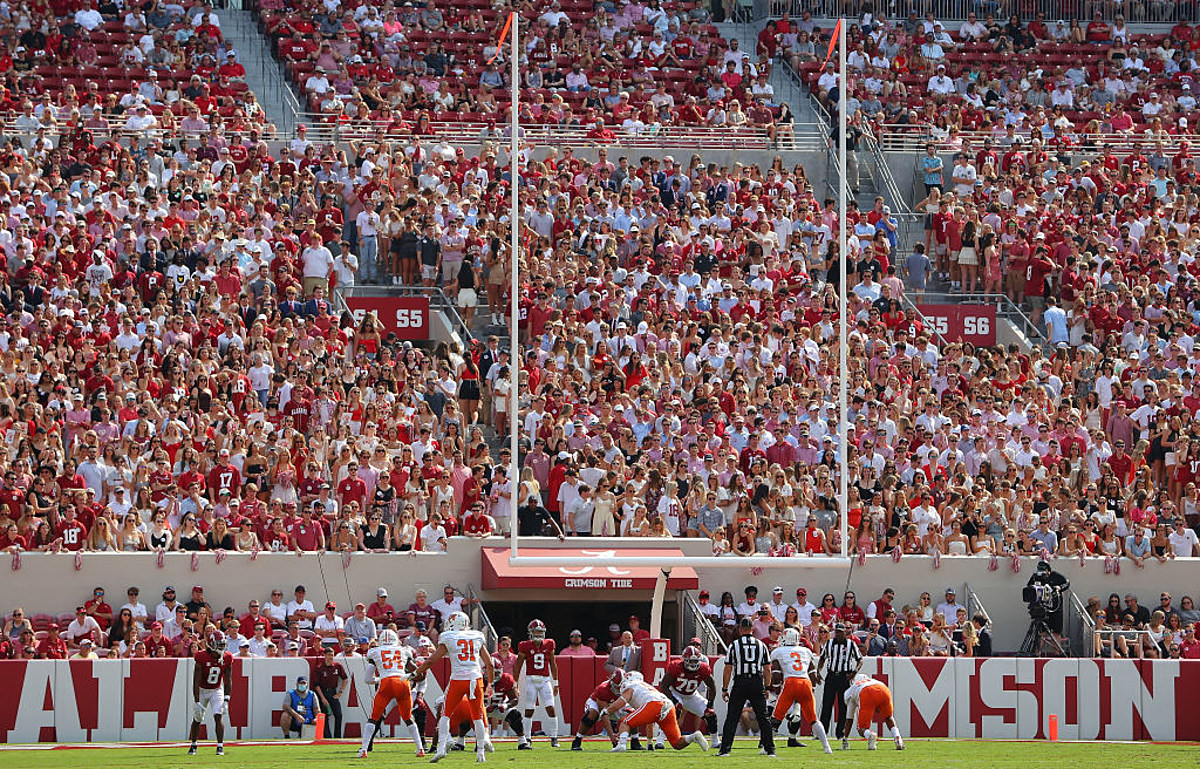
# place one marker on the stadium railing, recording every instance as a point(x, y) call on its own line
point(696, 625)
point(1006, 309)
point(1080, 626)
point(480, 619)
point(975, 605)
point(699, 137)
point(1138, 11)
point(914, 138)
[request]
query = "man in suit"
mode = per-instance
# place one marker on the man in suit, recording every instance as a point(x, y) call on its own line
point(625, 656)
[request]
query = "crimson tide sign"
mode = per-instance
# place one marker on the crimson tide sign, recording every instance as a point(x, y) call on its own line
point(498, 574)
point(974, 323)
point(406, 316)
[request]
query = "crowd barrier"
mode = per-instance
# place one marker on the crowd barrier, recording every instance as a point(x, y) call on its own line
point(1000, 698)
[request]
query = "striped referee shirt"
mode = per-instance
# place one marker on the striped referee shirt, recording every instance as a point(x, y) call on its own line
point(841, 656)
point(747, 655)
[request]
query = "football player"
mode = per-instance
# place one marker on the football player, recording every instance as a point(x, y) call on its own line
point(470, 666)
point(601, 697)
point(682, 683)
point(650, 707)
point(870, 698)
point(392, 662)
point(535, 658)
point(796, 663)
point(211, 685)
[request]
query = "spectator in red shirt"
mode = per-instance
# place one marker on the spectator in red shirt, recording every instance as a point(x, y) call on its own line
point(383, 612)
point(52, 647)
point(98, 609)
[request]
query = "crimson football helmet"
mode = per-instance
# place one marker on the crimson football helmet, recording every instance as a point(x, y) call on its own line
point(692, 657)
point(537, 630)
point(616, 679)
point(216, 642)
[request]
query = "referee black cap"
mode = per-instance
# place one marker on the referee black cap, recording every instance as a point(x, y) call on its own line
point(747, 622)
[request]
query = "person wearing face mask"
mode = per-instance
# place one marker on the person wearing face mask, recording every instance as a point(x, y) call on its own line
point(300, 707)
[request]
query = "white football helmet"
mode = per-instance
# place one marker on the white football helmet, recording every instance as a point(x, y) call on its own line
point(457, 621)
point(790, 637)
point(389, 638)
point(632, 679)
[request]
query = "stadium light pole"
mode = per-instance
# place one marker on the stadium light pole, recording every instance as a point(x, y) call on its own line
point(843, 303)
point(514, 221)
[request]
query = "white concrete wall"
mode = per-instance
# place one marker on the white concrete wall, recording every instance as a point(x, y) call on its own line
point(48, 582)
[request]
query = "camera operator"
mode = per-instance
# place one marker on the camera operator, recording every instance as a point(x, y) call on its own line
point(1051, 604)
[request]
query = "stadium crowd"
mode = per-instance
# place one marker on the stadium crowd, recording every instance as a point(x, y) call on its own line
point(283, 627)
point(636, 66)
point(176, 377)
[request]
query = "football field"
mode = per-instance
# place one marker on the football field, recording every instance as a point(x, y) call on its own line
point(940, 754)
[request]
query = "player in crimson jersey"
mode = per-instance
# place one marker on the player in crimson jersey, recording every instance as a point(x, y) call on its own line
point(535, 657)
point(682, 683)
point(600, 698)
point(211, 685)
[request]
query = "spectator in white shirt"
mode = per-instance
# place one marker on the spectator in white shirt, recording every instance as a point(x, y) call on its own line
point(939, 83)
point(329, 626)
point(1184, 543)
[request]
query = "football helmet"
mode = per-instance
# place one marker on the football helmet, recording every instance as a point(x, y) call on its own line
point(457, 621)
point(790, 637)
point(632, 679)
point(389, 638)
point(216, 642)
point(616, 678)
point(537, 630)
point(692, 657)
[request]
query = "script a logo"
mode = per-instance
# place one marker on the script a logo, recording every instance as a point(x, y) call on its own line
point(577, 571)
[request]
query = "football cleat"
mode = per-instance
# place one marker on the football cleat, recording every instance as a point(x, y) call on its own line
point(192, 751)
point(220, 750)
point(577, 743)
point(619, 749)
point(554, 742)
point(845, 744)
point(524, 746)
point(701, 740)
point(871, 742)
point(362, 752)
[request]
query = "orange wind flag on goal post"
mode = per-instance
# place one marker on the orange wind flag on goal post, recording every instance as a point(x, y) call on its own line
point(833, 41)
point(503, 35)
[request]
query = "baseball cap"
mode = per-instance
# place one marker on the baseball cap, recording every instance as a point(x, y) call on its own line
point(704, 594)
point(421, 625)
point(381, 592)
point(614, 628)
point(777, 590)
point(330, 605)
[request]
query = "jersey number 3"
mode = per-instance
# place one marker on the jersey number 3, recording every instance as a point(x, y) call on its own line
point(466, 649)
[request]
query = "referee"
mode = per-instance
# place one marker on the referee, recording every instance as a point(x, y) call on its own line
point(748, 664)
point(843, 658)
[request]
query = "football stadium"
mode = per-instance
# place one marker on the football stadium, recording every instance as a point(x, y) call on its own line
point(359, 358)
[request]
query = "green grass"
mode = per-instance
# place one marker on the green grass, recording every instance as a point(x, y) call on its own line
point(921, 753)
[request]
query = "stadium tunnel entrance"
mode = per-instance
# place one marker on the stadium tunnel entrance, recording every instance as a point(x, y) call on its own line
point(592, 617)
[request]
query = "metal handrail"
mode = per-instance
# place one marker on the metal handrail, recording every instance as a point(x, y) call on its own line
point(1081, 625)
point(1119, 631)
point(744, 137)
point(480, 619)
point(947, 11)
point(975, 606)
point(710, 639)
point(914, 138)
point(1005, 308)
point(437, 301)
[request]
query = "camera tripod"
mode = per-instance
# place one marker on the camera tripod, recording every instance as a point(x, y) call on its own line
point(1040, 637)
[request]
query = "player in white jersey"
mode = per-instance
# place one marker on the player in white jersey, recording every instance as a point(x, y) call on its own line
point(470, 662)
point(797, 663)
point(872, 699)
point(650, 707)
point(392, 662)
